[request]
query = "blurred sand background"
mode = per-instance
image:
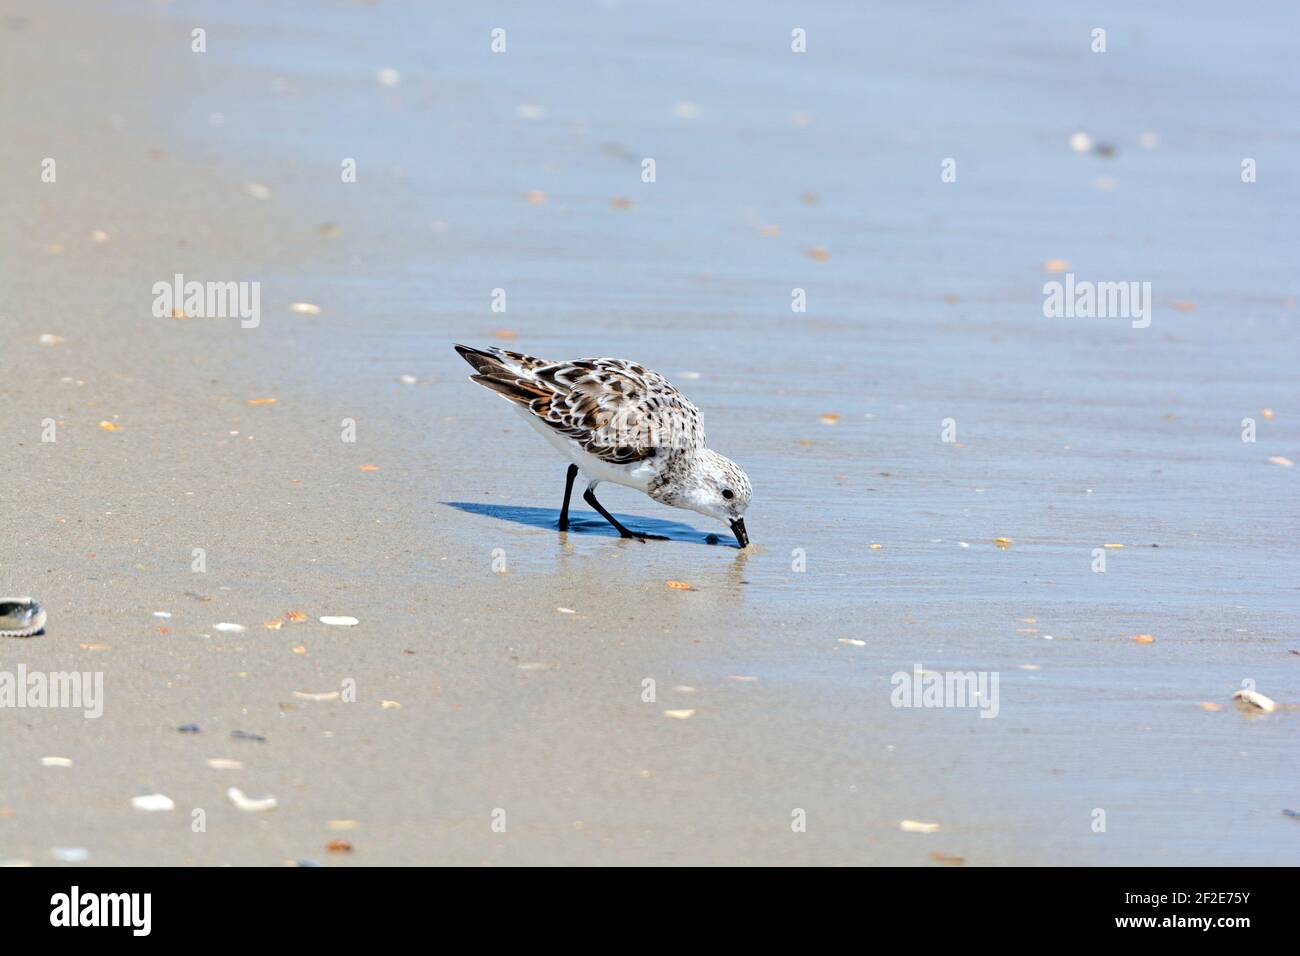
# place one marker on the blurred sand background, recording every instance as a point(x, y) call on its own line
point(775, 171)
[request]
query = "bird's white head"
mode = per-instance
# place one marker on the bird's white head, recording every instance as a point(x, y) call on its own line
point(719, 488)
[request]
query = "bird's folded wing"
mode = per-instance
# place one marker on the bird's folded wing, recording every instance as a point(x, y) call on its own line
point(617, 411)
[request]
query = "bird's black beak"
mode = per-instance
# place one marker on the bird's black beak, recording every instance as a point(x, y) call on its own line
point(738, 529)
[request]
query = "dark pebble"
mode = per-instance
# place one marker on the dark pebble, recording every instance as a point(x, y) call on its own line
point(188, 728)
point(245, 735)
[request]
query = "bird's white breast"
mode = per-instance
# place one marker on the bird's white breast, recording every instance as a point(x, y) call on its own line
point(637, 474)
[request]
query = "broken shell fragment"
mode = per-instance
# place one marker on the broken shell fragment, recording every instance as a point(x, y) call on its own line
point(1254, 700)
point(248, 804)
point(340, 621)
point(20, 617)
point(153, 802)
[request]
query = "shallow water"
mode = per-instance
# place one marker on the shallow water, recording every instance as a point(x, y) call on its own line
point(1071, 433)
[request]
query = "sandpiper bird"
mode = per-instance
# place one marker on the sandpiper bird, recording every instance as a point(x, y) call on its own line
point(618, 421)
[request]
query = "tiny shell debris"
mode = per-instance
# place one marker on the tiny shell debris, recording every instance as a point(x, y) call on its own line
point(1056, 265)
point(819, 254)
point(274, 624)
point(56, 762)
point(230, 628)
point(945, 860)
point(110, 426)
point(1282, 460)
point(679, 714)
point(1253, 699)
point(295, 617)
point(320, 698)
point(407, 379)
point(338, 846)
point(1143, 638)
point(566, 610)
point(388, 76)
point(257, 190)
point(1211, 707)
point(678, 586)
point(248, 804)
point(368, 468)
point(344, 621)
point(48, 339)
point(918, 826)
point(262, 401)
point(221, 763)
point(153, 803)
point(305, 308)
point(1112, 545)
point(1081, 142)
point(70, 854)
point(390, 705)
point(535, 197)
point(530, 111)
point(853, 641)
point(830, 418)
point(1265, 413)
point(1003, 543)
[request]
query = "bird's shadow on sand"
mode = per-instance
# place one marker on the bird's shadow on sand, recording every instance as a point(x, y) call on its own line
point(588, 522)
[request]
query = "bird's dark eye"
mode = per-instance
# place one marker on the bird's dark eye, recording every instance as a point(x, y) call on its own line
point(727, 493)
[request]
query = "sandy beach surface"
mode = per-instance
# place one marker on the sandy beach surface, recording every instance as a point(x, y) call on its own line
point(492, 702)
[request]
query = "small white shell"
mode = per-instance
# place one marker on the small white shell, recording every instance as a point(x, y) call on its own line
point(340, 621)
point(248, 804)
point(1253, 698)
point(233, 628)
point(917, 826)
point(153, 802)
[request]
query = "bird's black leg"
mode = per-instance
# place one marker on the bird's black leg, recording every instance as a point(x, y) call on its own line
point(568, 490)
point(589, 496)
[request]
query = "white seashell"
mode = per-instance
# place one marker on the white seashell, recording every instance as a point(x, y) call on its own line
point(248, 804)
point(233, 628)
point(221, 763)
point(162, 613)
point(680, 714)
point(388, 76)
point(56, 762)
point(153, 802)
point(918, 826)
point(304, 695)
point(70, 854)
point(1253, 698)
point(340, 621)
point(305, 308)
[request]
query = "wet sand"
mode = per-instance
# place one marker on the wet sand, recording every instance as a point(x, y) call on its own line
point(1070, 434)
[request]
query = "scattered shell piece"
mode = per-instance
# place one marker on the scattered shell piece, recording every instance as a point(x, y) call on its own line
point(876, 546)
point(221, 763)
point(1055, 265)
point(262, 401)
point(338, 846)
point(505, 334)
point(257, 190)
point(530, 111)
point(854, 641)
point(153, 802)
point(56, 762)
point(1211, 707)
point(339, 621)
point(389, 705)
point(741, 677)
point(368, 468)
point(274, 624)
point(70, 854)
point(248, 804)
point(963, 544)
point(620, 202)
point(819, 254)
point(1265, 413)
point(945, 860)
point(1003, 543)
point(110, 426)
point(162, 613)
point(1112, 545)
point(99, 235)
point(1254, 699)
point(535, 196)
point(322, 697)
point(566, 610)
point(96, 647)
point(1282, 460)
point(678, 586)
point(1080, 142)
point(408, 379)
point(48, 339)
point(1143, 638)
point(230, 628)
point(1184, 307)
point(387, 76)
point(830, 418)
point(304, 308)
point(342, 824)
point(918, 826)
point(1148, 140)
point(680, 714)
point(295, 617)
